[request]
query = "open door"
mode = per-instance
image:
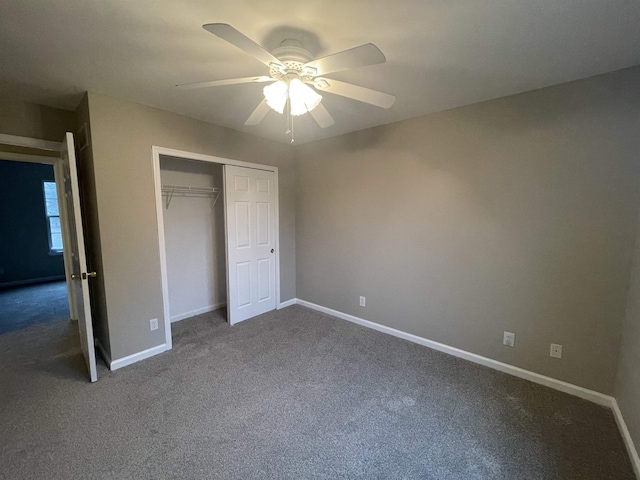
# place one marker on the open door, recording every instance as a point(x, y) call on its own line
point(250, 200)
point(75, 257)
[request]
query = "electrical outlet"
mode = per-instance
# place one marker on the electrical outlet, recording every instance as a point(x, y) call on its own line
point(363, 301)
point(153, 324)
point(509, 339)
point(556, 350)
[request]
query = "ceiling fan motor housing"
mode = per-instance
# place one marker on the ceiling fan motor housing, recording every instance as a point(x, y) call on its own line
point(293, 56)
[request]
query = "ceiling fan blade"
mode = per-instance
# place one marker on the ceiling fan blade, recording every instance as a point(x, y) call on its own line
point(258, 114)
point(230, 81)
point(361, 56)
point(322, 117)
point(234, 37)
point(349, 90)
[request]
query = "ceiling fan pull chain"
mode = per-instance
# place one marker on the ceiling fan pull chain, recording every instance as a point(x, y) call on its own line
point(291, 119)
point(288, 130)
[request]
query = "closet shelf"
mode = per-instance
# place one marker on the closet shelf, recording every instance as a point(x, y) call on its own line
point(170, 191)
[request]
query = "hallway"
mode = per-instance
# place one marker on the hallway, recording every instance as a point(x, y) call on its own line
point(22, 307)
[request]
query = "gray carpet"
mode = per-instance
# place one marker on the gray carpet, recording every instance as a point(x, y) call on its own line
point(290, 394)
point(21, 307)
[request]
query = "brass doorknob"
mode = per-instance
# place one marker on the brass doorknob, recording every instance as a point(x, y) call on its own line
point(75, 276)
point(90, 274)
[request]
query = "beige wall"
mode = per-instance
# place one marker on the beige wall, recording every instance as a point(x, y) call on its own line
point(36, 121)
point(516, 214)
point(627, 390)
point(91, 223)
point(122, 135)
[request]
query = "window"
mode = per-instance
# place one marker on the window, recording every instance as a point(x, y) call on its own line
point(53, 217)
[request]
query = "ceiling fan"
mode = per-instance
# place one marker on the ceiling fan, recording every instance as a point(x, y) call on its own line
point(295, 77)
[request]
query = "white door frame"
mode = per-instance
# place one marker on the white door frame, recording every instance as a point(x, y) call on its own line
point(155, 157)
point(37, 143)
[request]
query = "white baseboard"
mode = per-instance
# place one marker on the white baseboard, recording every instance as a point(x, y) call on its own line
point(103, 353)
point(591, 395)
point(626, 436)
point(197, 311)
point(287, 303)
point(136, 357)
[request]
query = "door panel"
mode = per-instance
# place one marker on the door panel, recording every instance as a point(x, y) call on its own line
point(264, 285)
point(250, 220)
point(241, 183)
point(69, 199)
point(243, 228)
point(243, 284)
point(262, 185)
point(263, 229)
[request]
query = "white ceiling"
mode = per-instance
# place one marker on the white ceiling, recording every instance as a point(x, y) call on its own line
point(440, 53)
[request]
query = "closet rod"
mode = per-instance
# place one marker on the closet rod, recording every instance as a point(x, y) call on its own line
point(170, 191)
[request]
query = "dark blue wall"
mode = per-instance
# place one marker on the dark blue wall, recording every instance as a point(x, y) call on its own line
point(24, 241)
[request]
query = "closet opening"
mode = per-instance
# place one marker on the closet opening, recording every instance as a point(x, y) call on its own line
point(218, 232)
point(194, 235)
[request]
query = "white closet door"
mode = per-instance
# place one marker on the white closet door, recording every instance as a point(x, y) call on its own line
point(250, 200)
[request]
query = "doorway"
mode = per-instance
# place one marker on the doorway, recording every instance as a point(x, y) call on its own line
point(65, 227)
point(247, 195)
point(33, 290)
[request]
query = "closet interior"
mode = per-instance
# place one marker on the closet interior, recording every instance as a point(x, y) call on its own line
point(193, 217)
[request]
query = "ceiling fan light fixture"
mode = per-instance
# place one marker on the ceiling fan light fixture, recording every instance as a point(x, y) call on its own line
point(276, 95)
point(302, 97)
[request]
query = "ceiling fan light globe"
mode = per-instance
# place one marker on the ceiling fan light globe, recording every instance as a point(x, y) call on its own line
point(302, 97)
point(297, 107)
point(276, 95)
point(314, 102)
